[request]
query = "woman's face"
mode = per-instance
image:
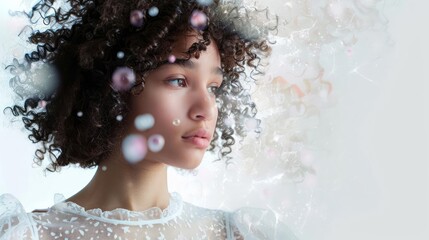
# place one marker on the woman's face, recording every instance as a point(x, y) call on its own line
point(183, 92)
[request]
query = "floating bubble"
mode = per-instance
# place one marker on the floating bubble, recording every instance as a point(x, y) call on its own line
point(228, 121)
point(120, 54)
point(156, 142)
point(42, 104)
point(79, 114)
point(104, 168)
point(176, 122)
point(250, 124)
point(171, 58)
point(205, 2)
point(198, 20)
point(44, 78)
point(123, 79)
point(119, 118)
point(144, 121)
point(153, 11)
point(134, 148)
point(336, 10)
point(136, 18)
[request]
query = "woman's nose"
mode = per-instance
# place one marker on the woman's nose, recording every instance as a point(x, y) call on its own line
point(203, 106)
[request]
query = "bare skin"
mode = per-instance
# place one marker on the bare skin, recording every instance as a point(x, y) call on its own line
point(173, 91)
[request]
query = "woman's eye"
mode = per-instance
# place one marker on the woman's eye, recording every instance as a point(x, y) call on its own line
point(179, 82)
point(213, 89)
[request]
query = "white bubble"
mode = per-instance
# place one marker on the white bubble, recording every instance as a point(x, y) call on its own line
point(44, 78)
point(250, 124)
point(104, 168)
point(144, 122)
point(205, 2)
point(228, 121)
point(120, 54)
point(176, 122)
point(156, 142)
point(119, 118)
point(336, 10)
point(79, 114)
point(134, 148)
point(153, 11)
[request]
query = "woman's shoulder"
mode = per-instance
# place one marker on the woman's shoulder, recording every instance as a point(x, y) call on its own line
point(243, 223)
point(15, 223)
point(9, 205)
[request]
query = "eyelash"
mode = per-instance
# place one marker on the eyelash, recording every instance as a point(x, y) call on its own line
point(212, 89)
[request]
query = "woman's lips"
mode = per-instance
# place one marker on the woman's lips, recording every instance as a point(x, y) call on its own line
point(199, 142)
point(199, 138)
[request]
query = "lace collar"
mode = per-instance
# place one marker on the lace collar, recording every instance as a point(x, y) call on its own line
point(152, 215)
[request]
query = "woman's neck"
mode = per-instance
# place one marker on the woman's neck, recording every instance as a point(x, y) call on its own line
point(118, 184)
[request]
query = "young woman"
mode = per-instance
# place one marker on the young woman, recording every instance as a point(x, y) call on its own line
point(131, 87)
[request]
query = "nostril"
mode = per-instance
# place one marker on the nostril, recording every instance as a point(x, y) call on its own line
point(200, 117)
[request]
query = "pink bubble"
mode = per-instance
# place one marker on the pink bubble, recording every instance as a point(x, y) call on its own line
point(136, 18)
point(250, 124)
point(229, 121)
point(156, 142)
point(134, 148)
point(123, 79)
point(42, 104)
point(171, 58)
point(198, 20)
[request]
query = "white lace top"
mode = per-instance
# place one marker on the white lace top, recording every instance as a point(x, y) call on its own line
point(180, 220)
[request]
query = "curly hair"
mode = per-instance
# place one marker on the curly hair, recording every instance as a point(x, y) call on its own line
point(81, 43)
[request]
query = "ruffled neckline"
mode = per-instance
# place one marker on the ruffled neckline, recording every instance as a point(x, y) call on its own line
point(152, 215)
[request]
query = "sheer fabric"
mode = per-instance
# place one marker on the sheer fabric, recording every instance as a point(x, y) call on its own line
point(179, 221)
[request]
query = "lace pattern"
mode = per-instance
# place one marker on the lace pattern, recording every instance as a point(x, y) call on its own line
point(179, 221)
point(153, 215)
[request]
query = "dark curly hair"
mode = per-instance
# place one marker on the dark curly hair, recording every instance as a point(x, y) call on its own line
point(81, 43)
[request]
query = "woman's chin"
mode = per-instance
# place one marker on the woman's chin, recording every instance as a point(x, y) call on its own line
point(188, 165)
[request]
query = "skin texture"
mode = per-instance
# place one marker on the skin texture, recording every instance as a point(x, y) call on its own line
point(180, 92)
point(144, 185)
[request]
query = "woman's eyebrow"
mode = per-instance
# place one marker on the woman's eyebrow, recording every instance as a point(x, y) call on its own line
point(187, 63)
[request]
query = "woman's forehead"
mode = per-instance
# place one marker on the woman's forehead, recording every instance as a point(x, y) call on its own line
point(184, 42)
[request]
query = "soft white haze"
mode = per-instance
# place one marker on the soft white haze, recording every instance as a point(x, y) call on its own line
point(377, 141)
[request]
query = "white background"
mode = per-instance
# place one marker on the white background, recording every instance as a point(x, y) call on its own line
point(379, 142)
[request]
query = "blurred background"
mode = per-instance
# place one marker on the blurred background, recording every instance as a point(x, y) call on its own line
point(369, 144)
